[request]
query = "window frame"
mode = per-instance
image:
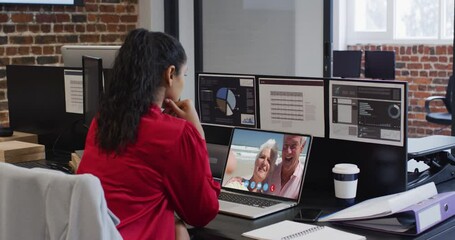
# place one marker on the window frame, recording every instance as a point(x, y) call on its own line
point(373, 37)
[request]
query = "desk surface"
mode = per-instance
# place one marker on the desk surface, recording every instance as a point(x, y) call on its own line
point(428, 145)
point(229, 227)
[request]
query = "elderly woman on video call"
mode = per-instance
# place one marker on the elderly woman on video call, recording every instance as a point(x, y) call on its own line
point(152, 164)
point(263, 167)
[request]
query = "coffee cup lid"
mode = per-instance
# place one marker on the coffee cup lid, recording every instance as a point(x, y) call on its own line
point(345, 168)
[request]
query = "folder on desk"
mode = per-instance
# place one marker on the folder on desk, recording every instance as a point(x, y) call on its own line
point(414, 219)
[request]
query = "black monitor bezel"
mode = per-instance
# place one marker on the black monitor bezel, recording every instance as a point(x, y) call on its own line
point(91, 91)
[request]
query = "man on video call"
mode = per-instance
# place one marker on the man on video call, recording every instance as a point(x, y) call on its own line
point(286, 177)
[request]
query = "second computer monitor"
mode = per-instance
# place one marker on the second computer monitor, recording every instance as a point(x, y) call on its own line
point(380, 65)
point(92, 86)
point(292, 104)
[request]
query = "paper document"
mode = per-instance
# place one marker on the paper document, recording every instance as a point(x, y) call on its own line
point(74, 99)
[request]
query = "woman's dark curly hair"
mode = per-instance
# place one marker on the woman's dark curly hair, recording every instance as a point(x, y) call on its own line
point(137, 74)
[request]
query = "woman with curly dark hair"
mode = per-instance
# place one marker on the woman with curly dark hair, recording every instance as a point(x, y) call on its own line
point(152, 164)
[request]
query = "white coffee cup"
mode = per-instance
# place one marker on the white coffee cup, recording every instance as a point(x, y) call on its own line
point(345, 177)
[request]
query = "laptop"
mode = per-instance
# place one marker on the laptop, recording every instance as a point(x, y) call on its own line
point(252, 188)
point(217, 157)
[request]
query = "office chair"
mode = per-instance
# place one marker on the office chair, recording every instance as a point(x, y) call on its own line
point(443, 118)
point(46, 204)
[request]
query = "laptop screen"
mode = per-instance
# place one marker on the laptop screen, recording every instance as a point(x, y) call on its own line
point(267, 162)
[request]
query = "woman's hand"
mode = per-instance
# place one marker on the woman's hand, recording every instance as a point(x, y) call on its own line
point(184, 109)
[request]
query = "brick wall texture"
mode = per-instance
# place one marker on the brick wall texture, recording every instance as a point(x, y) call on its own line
point(426, 68)
point(33, 35)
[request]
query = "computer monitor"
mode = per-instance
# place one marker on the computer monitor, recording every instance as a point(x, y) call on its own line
point(92, 76)
point(368, 111)
point(292, 104)
point(37, 104)
point(227, 99)
point(44, 2)
point(347, 63)
point(368, 121)
point(380, 65)
point(72, 54)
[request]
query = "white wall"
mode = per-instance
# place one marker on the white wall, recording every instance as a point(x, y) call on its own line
point(309, 35)
point(264, 37)
point(249, 36)
point(186, 36)
point(151, 16)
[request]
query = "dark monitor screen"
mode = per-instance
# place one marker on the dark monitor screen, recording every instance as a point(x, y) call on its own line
point(92, 68)
point(380, 64)
point(36, 101)
point(347, 63)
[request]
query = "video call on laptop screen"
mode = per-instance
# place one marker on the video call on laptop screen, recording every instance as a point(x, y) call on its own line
point(259, 160)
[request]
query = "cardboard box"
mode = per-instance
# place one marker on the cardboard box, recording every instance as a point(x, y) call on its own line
point(17, 151)
point(21, 136)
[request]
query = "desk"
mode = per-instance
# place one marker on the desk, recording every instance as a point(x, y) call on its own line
point(228, 227)
point(428, 145)
point(21, 136)
point(433, 151)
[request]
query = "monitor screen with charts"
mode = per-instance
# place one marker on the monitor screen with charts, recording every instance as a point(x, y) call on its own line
point(261, 158)
point(292, 105)
point(368, 111)
point(228, 100)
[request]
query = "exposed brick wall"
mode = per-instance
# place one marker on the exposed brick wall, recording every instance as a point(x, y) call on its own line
point(34, 34)
point(427, 69)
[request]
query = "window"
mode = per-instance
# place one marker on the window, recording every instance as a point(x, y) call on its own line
point(390, 21)
point(371, 15)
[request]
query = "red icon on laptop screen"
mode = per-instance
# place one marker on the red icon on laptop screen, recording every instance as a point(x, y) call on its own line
point(272, 188)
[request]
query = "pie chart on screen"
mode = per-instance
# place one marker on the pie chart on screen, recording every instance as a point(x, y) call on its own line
point(225, 100)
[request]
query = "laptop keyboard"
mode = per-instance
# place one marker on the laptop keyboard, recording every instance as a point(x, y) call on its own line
point(246, 200)
point(31, 164)
point(44, 164)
